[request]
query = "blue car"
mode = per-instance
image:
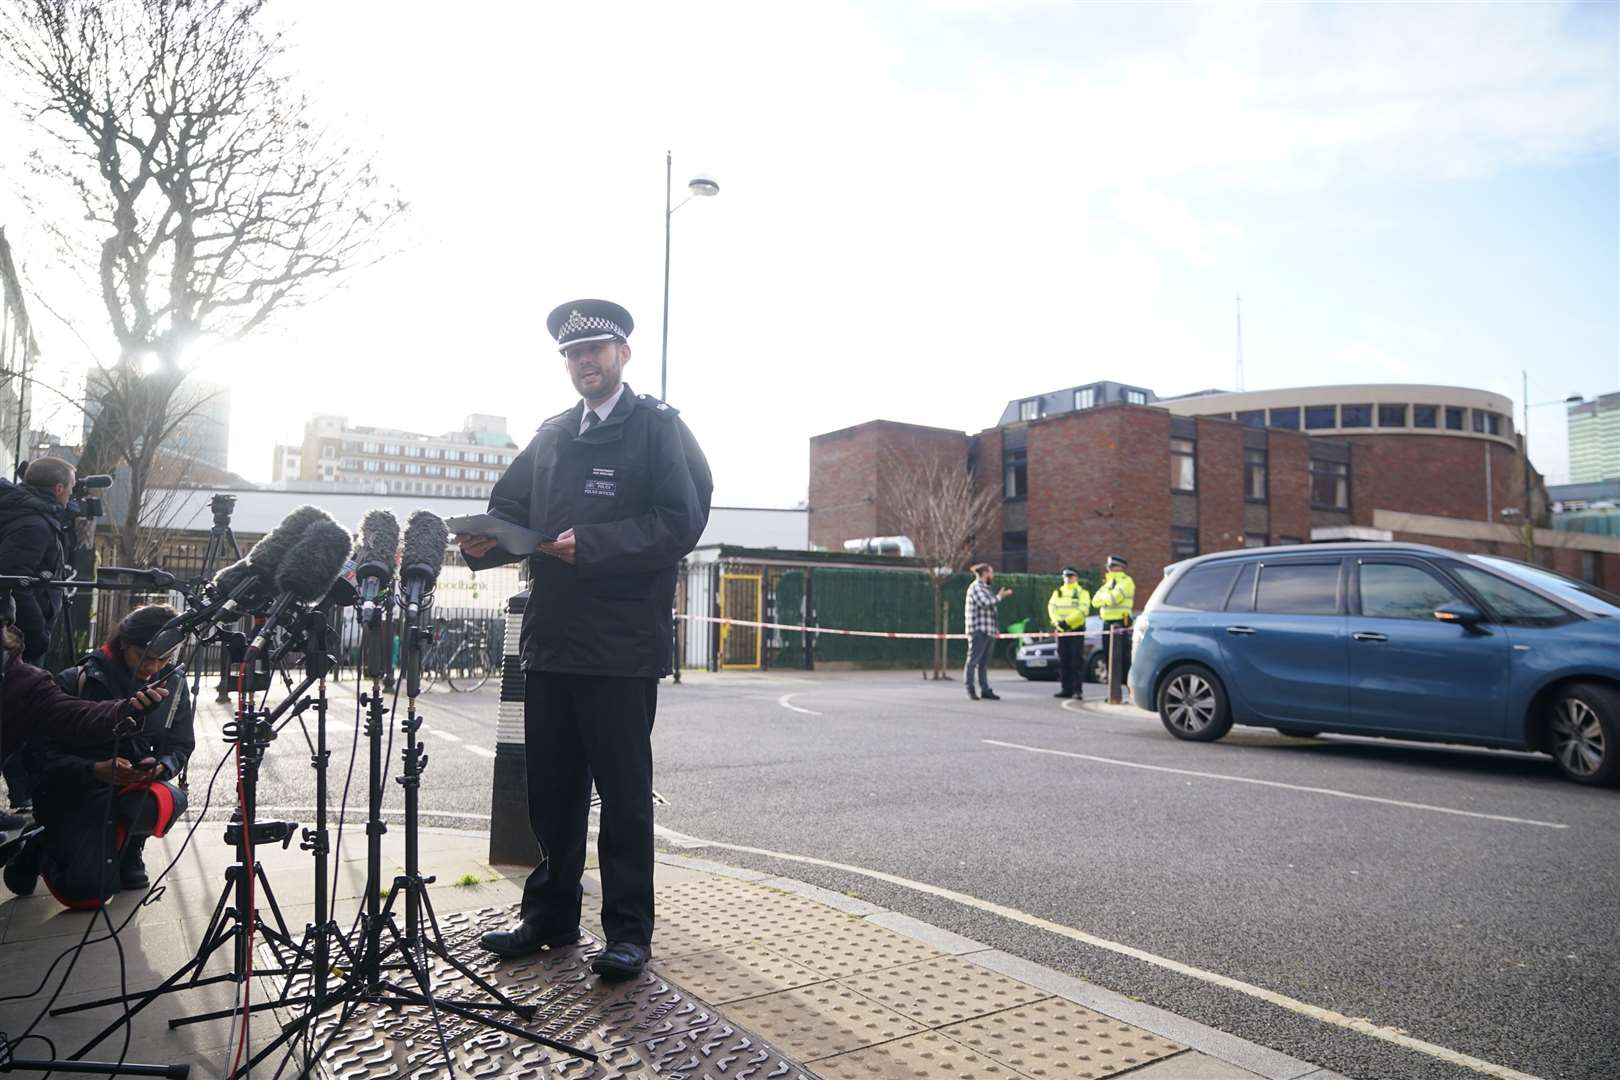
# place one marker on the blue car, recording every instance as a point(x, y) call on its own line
point(1397, 640)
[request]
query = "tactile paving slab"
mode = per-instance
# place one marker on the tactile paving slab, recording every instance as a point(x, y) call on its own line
point(921, 1057)
point(819, 1021)
point(643, 1028)
point(1057, 1040)
point(944, 991)
point(852, 949)
point(734, 974)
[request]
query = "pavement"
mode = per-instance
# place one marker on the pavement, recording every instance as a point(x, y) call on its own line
point(1278, 906)
point(822, 984)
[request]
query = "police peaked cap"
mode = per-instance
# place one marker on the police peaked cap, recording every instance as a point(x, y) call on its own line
point(1115, 560)
point(589, 320)
point(1067, 570)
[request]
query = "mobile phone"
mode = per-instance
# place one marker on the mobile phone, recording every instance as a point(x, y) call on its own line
point(164, 674)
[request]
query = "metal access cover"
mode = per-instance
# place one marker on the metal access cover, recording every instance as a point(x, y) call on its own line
point(944, 991)
point(1057, 1040)
point(642, 1029)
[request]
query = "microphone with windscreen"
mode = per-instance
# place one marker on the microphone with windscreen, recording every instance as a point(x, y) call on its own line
point(306, 574)
point(375, 557)
point(421, 558)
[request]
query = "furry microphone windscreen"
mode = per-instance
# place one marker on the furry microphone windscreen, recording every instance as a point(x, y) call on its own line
point(378, 547)
point(268, 553)
point(426, 537)
point(314, 562)
point(229, 579)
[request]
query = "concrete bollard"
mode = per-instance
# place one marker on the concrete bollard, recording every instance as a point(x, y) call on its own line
point(511, 840)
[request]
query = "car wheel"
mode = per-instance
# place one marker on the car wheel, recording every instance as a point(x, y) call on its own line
point(1097, 667)
point(1192, 704)
point(1583, 734)
point(1299, 732)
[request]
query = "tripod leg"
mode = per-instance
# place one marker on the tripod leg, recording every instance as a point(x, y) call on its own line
point(220, 1014)
point(436, 944)
point(485, 1021)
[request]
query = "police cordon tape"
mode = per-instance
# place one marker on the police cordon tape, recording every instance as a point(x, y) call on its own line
point(902, 634)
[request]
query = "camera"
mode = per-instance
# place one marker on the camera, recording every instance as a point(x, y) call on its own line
point(82, 504)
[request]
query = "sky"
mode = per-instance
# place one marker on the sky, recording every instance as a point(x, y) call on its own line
point(930, 208)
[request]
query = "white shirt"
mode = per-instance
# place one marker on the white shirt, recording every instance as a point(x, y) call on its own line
point(602, 411)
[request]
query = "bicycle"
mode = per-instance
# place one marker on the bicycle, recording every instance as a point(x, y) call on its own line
point(472, 662)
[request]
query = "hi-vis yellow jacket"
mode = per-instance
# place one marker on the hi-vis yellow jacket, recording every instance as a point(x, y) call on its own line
point(1115, 597)
point(1068, 606)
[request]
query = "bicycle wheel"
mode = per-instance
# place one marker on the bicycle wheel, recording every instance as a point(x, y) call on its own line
point(432, 666)
point(470, 668)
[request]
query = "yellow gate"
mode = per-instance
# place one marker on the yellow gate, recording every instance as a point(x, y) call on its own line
point(741, 597)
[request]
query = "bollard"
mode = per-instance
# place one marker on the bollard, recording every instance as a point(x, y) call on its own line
point(510, 838)
point(1114, 673)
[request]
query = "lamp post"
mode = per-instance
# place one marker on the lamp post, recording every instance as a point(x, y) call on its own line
point(1524, 457)
point(699, 185)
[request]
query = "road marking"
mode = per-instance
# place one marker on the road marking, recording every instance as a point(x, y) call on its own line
point(479, 750)
point(1357, 1024)
point(783, 701)
point(332, 813)
point(1279, 784)
point(442, 734)
point(1080, 707)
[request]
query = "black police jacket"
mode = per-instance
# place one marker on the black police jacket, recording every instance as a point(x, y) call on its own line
point(31, 543)
point(636, 490)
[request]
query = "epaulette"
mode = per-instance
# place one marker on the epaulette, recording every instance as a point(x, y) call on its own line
point(659, 408)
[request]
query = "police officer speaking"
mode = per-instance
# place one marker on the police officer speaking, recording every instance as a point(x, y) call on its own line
point(1067, 609)
point(621, 490)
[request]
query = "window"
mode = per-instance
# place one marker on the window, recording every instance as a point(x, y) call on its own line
point(1254, 540)
point(1085, 397)
point(1330, 485)
point(432, 453)
point(452, 455)
point(1454, 418)
point(1493, 423)
point(1029, 410)
point(1015, 551)
point(390, 466)
point(1592, 568)
point(413, 451)
point(371, 466)
point(1479, 421)
point(1298, 589)
point(1425, 416)
point(1252, 418)
point(391, 448)
point(1242, 598)
point(1289, 540)
point(1204, 588)
point(1136, 397)
point(371, 448)
point(328, 451)
point(1183, 543)
point(413, 469)
point(1355, 416)
point(1392, 416)
point(453, 472)
point(1320, 416)
point(1513, 604)
point(1401, 591)
point(1254, 474)
point(1015, 484)
point(1183, 465)
point(1286, 418)
point(433, 470)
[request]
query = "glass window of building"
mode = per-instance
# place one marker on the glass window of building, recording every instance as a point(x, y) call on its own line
point(1355, 416)
point(1392, 416)
point(1330, 485)
point(1321, 416)
point(1015, 481)
point(452, 455)
point(432, 453)
point(1286, 418)
point(1454, 418)
point(1183, 465)
point(1425, 416)
point(1015, 552)
point(413, 451)
point(1029, 410)
point(1254, 474)
point(433, 470)
point(453, 472)
point(391, 448)
point(1136, 397)
point(329, 451)
point(390, 466)
point(1085, 397)
point(371, 448)
point(1493, 423)
point(1479, 421)
point(371, 466)
point(413, 469)
point(1252, 418)
point(1254, 540)
point(1183, 542)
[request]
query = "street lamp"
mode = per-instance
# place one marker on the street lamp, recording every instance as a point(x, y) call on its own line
point(1524, 455)
point(700, 186)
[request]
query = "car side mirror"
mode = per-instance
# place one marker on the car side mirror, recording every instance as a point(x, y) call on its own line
point(1466, 615)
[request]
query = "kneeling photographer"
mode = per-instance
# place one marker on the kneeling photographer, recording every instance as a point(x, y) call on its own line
point(74, 782)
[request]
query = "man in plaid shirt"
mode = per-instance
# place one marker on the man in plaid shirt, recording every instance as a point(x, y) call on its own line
point(979, 618)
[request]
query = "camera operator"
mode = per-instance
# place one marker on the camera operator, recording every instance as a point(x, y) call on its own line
point(621, 484)
point(75, 782)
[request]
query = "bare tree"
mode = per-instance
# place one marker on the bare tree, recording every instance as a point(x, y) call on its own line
point(938, 505)
point(208, 197)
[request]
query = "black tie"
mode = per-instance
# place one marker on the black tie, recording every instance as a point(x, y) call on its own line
point(591, 420)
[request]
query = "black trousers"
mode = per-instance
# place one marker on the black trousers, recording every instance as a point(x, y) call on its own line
point(1071, 658)
point(1121, 632)
point(576, 729)
point(81, 836)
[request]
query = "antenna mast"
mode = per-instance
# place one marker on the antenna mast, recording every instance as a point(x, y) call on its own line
point(1240, 343)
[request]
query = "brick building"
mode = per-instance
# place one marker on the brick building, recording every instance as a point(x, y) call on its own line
point(1106, 468)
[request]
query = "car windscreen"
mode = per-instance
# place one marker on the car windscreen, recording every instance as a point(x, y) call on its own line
point(1588, 598)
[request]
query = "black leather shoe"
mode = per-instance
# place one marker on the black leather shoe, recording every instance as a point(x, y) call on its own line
point(132, 867)
point(989, 695)
point(619, 961)
point(525, 940)
point(1060, 693)
point(22, 869)
point(973, 695)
